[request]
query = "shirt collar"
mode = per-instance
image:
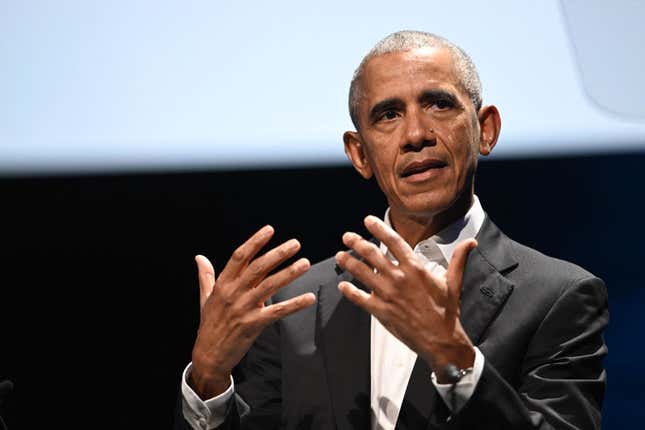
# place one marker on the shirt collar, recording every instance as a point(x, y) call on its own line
point(441, 245)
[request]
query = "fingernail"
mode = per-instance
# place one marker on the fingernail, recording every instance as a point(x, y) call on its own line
point(293, 243)
point(303, 263)
point(370, 219)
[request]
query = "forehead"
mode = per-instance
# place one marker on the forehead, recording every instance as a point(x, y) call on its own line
point(393, 74)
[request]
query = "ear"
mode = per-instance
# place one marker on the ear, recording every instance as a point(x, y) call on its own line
point(490, 125)
point(355, 150)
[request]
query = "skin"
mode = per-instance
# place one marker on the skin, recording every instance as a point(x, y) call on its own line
point(232, 310)
point(424, 115)
point(415, 114)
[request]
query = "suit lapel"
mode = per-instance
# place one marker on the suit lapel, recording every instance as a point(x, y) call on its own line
point(484, 291)
point(345, 340)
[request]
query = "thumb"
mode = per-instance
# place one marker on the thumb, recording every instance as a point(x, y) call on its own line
point(455, 272)
point(206, 275)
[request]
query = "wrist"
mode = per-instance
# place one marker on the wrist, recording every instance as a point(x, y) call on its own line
point(451, 358)
point(208, 378)
point(208, 385)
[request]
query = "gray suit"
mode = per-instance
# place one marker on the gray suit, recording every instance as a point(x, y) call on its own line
point(537, 320)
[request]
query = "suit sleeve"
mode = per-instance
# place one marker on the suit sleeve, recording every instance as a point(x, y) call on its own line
point(257, 384)
point(562, 378)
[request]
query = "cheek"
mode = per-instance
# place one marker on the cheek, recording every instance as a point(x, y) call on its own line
point(382, 166)
point(463, 149)
point(382, 155)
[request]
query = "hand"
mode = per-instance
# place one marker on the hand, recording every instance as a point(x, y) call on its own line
point(232, 310)
point(418, 307)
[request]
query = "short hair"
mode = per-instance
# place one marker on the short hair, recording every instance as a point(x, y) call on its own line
point(407, 40)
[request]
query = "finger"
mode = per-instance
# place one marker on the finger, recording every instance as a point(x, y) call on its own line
point(206, 276)
point(359, 297)
point(245, 252)
point(273, 283)
point(455, 272)
point(365, 274)
point(370, 252)
point(279, 310)
point(395, 243)
point(260, 267)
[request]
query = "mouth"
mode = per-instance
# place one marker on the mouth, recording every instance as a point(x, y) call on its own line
point(422, 170)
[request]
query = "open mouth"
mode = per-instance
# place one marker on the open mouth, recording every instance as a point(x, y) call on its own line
point(425, 166)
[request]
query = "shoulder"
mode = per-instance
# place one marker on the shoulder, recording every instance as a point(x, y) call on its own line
point(536, 265)
point(539, 264)
point(523, 263)
point(539, 278)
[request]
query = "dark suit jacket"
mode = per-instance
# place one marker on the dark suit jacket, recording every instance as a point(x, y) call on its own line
point(538, 322)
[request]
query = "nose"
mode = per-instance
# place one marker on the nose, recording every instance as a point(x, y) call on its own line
point(419, 132)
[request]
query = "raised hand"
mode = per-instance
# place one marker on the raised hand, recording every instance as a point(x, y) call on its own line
point(232, 310)
point(418, 307)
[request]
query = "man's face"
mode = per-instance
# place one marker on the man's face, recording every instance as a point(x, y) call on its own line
point(419, 131)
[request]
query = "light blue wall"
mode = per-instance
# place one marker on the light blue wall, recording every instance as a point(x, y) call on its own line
point(184, 84)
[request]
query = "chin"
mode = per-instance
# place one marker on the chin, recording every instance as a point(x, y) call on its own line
point(428, 204)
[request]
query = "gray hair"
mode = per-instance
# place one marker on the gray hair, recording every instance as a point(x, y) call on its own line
point(406, 40)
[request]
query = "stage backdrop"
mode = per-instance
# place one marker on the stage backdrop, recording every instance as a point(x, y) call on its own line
point(156, 85)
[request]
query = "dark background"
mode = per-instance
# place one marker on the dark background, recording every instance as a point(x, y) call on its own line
point(98, 293)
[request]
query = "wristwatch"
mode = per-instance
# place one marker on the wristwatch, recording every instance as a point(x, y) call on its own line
point(454, 374)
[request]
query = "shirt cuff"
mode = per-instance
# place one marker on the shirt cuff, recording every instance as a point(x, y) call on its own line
point(200, 414)
point(465, 388)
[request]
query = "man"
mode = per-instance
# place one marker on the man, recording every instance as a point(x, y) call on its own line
point(439, 321)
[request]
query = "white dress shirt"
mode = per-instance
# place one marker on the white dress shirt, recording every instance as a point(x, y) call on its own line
point(391, 361)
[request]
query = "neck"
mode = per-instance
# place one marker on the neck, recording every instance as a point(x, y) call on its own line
point(414, 227)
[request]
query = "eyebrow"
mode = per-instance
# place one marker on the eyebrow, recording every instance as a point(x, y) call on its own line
point(429, 96)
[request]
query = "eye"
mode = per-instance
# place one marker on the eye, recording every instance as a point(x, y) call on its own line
point(442, 104)
point(388, 115)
